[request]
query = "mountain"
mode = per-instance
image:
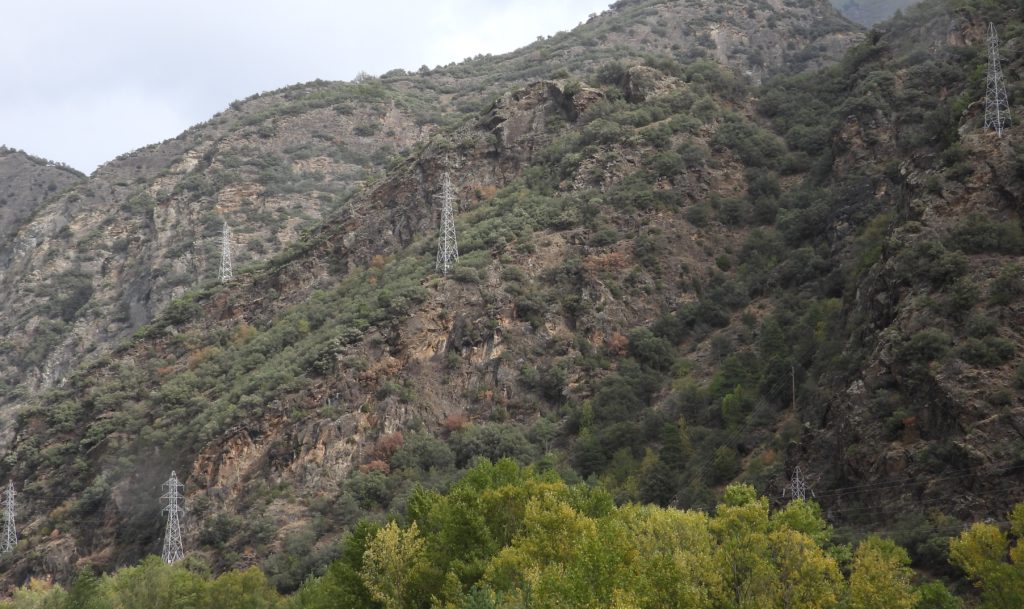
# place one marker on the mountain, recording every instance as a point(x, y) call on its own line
point(700, 242)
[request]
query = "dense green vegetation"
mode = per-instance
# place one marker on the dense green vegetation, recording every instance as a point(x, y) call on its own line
point(508, 536)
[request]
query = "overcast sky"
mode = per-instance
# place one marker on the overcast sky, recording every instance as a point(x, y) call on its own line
point(86, 80)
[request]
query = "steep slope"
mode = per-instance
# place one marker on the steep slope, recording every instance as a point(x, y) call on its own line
point(101, 259)
point(28, 181)
point(923, 408)
point(104, 258)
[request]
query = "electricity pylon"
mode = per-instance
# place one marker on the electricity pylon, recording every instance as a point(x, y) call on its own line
point(173, 551)
point(226, 272)
point(997, 104)
point(447, 244)
point(797, 487)
point(10, 540)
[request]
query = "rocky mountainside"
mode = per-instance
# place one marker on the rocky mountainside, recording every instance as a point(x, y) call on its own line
point(930, 373)
point(95, 263)
point(28, 181)
point(672, 277)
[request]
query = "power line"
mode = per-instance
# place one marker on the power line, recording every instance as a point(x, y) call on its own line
point(854, 489)
point(867, 515)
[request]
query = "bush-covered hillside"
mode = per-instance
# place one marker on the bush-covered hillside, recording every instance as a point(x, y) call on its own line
point(95, 262)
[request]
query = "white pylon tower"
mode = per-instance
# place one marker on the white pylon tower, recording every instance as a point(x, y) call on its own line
point(797, 487)
point(10, 540)
point(173, 551)
point(447, 243)
point(997, 104)
point(226, 272)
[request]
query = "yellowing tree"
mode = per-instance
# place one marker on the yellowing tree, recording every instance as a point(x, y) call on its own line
point(981, 552)
point(807, 577)
point(393, 564)
point(880, 577)
point(769, 562)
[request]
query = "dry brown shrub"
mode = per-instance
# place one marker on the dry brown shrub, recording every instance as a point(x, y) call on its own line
point(618, 344)
point(455, 422)
point(387, 445)
point(375, 466)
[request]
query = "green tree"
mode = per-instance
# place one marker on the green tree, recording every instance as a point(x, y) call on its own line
point(85, 593)
point(157, 585)
point(341, 585)
point(246, 589)
point(37, 594)
point(657, 480)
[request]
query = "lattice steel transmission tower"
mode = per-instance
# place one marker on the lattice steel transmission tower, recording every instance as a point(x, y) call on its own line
point(226, 272)
point(10, 540)
point(997, 104)
point(797, 487)
point(173, 551)
point(447, 244)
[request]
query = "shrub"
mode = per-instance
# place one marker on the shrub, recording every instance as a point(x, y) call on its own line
point(548, 380)
point(625, 394)
point(1008, 287)
point(651, 350)
point(925, 346)
point(604, 237)
point(981, 234)
point(980, 326)
point(960, 299)
point(762, 184)
point(423, 451)
point(465, 274)
point(492, 441)
point(987, 352)
point(930, 260)
point(603, 131)
point(665, 164)
point(755, 146)
point(725, 464)
point(369, 489)
point(698, 215)
point(692, 154)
